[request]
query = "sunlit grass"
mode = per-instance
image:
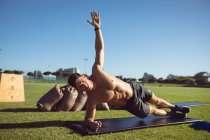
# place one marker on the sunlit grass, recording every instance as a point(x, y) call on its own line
point(23, 121)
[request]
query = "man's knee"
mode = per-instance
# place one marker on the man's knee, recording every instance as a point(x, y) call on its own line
point(156, 111)
point(159, 102)
point(152, 110)
point(154, 100)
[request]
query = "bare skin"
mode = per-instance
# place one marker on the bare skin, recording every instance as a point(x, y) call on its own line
point(102, 87)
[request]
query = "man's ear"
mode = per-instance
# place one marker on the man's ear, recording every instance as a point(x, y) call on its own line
point(84, 76)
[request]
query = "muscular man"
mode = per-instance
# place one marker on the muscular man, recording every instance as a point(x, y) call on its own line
point(102, 87)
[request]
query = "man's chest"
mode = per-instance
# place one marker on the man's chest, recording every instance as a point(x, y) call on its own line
point(102, 95)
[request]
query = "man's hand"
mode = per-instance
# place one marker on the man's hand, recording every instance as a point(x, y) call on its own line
point(95, 125)
point(96, 23)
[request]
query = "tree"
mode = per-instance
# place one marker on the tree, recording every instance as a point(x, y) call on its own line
point(8, 71)
point(171, 77)
point(47, 73)
point(54, 73)
point(152, 80)
point(201, 78)
point(185, 80)
point(160, 80)
point(14, 71)
point(59, 72)
point(129, 79)
point(30, 74)
point(140, 79)
point(18, 72)
point(148, 78)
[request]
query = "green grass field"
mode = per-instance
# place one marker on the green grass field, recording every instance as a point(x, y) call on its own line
point(24, 121)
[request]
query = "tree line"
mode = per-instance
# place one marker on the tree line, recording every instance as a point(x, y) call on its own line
point(200, 78)
point(12, 71)
point(60, 72)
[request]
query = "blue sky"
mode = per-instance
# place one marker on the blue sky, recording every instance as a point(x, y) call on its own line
point(159, 37)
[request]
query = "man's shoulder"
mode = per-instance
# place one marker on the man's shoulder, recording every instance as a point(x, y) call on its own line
point(96, 69)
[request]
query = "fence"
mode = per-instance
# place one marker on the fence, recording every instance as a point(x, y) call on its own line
point(45, 79)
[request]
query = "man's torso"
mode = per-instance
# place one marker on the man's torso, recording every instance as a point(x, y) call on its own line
point(110, 89)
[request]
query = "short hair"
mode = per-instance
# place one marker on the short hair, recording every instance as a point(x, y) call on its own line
point(72, 79)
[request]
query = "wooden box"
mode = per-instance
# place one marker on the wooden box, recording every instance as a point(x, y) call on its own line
point(11, 88)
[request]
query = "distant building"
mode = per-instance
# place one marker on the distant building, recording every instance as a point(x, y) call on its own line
point(38, 74)
point(120, 77)
point(70, 71)
point(65, 73)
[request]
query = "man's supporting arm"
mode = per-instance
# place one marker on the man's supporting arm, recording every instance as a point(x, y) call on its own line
point(90, 115)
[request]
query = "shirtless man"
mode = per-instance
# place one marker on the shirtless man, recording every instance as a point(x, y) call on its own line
point(101, 87)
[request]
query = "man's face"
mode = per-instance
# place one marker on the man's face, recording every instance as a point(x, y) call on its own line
point(83, 84)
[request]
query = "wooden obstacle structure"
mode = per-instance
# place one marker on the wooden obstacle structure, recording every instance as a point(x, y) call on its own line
point(11, 88)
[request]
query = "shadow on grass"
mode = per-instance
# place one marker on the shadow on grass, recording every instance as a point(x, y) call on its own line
point(20, 110)
point(41, 124)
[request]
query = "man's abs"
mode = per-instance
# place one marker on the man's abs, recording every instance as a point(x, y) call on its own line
point(121, 94)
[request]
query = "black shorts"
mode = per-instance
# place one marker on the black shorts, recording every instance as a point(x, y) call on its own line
point(137, 103)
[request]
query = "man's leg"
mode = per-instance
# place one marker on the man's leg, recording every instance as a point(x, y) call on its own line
point(148, 96)
point(164, 104)
point(160, 112)
point(161, 103)
point(155, 111)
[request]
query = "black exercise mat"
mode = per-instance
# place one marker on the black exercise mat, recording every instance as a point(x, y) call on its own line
point(195, 103)
point(124, 124)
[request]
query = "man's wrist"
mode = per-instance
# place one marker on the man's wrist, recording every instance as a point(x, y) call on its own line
point(88, 120)
point(97, 28)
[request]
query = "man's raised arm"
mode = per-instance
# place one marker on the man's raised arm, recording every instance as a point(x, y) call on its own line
point(99, 43)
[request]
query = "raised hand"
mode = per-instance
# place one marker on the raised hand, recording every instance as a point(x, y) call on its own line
point(95, 22)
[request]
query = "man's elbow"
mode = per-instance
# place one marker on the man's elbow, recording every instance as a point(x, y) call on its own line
point(99, 48)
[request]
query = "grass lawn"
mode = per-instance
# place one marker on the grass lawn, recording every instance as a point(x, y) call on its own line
point(24, 121)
